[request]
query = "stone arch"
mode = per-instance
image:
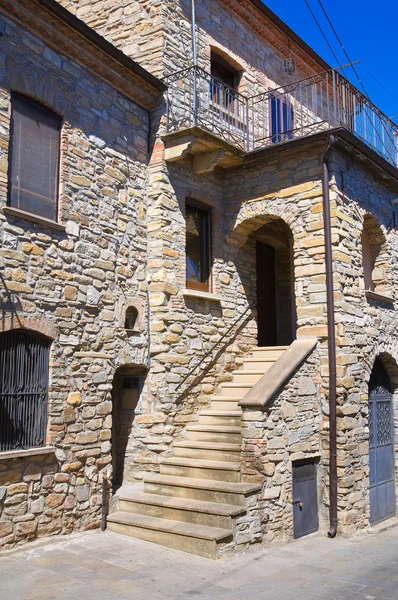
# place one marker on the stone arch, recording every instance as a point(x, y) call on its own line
point(374, 255)
point(253, 215)
point(266, 248)
point(42, 91)
point(12, 320)
point(132, 314)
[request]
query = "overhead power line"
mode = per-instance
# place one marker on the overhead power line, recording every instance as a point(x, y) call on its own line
point(324, 34)
point(342, 47)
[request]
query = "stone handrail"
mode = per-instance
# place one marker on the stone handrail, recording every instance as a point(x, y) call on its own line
point(280, 372)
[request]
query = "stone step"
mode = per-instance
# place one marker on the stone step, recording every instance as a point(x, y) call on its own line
point(238, 390)
point(256, 364)
point(208, 450)
point(200, 468)
point(200, 489)
point(181, 509)
point(213, 433)
point(270, 353)
point(247, 376)
point(220, 417)
point(196, 539)
point(225, 404)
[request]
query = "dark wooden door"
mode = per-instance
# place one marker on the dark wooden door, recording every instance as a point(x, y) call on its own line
point(305, 502)
point(266, 295)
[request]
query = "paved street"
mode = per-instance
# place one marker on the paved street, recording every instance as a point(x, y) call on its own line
point(110, 567)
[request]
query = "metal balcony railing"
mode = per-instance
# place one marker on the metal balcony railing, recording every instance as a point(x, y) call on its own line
point(321, 102)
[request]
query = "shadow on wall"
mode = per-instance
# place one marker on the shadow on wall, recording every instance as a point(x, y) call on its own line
point(127, 388)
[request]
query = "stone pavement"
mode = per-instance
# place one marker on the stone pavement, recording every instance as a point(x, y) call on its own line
point(113, 567)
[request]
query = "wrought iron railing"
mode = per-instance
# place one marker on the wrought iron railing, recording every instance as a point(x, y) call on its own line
point(224, 338)
point(24, 362)
point(299, 109)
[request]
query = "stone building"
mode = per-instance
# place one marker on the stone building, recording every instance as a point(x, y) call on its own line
point(221, 289)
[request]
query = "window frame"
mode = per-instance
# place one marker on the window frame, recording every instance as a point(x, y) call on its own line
point(33, 393)
point(228, 97)
point(196, 285)
point(283, 106)
point(9, 205)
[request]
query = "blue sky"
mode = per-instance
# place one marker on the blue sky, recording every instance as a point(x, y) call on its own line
point(369, 33)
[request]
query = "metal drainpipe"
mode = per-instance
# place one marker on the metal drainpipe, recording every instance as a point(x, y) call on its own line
point(331, 342)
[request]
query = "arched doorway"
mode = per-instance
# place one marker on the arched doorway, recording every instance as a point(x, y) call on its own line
point(276, 306)
point(127, 389)
point(381, 446)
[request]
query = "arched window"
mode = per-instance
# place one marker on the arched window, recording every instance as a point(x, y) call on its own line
point(24, 364)
point(130, 320)
point(373, 255)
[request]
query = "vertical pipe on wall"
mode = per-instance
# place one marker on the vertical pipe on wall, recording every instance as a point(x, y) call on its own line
point(331, 342)
point(195, 64)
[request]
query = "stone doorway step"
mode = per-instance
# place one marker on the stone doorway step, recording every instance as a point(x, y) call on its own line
point(195, 501)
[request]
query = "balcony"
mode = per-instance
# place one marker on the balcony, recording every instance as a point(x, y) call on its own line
point(196, 99)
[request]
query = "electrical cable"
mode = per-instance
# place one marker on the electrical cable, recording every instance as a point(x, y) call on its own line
point(365, 112)
point(324, 34)
point(356, 73)
point(341, 44)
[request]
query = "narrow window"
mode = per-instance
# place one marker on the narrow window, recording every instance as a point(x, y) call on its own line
point(281, 119)
point(197, 246)
point(131, 318)
point(24, 363)
point(367, 261)
point(34, 157)
point(224, 81)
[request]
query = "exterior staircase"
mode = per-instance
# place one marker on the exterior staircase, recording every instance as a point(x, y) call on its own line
point(195, 500)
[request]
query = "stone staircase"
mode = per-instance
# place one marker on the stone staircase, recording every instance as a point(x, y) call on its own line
point(194, 502)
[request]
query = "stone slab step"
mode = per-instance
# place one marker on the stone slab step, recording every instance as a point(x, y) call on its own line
point(205, 464)
point(214, 433)
point(196, 539)
point(220, 417)
point(208, 450)
point(181, 509)
point(227, 405)
point(247, 376)
point(201, 469)
point(238, 390)
point(200, 489)
point(256, 364)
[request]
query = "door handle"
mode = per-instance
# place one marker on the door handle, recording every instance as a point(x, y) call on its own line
point(299, 502)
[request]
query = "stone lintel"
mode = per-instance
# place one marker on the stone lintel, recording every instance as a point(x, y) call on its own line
point(371, 295)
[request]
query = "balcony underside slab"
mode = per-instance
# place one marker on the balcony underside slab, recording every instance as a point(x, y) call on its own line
point(208, 151)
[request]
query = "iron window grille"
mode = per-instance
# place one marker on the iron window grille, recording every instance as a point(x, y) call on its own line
point(24, 366)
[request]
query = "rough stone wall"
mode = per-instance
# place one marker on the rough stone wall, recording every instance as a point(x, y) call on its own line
point(158, 35)
point(366, 327)
point(134, 26)
point(286, 431)
point(73, 284)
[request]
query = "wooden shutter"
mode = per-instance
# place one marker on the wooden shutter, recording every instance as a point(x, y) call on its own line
point(34, 157)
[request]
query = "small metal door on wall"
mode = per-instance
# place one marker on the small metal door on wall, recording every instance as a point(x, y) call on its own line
point(381, 446)
point(305, 500)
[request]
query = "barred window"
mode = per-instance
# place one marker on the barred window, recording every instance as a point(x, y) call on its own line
point(34, 157)
point(24, 365)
